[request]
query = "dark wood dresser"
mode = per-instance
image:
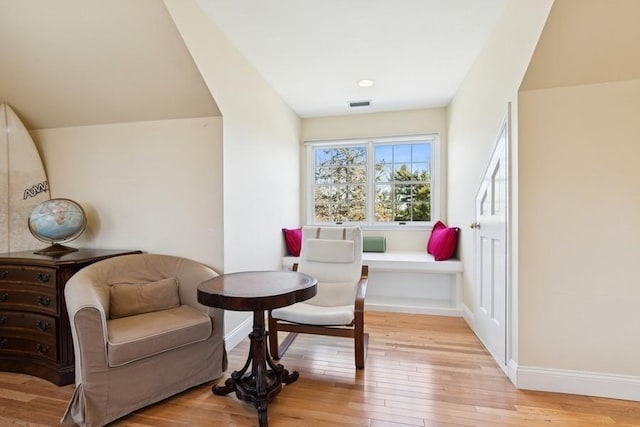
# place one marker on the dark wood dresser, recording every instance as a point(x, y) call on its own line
point(35, 337)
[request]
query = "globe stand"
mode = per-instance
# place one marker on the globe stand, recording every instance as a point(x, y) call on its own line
point(55, 250)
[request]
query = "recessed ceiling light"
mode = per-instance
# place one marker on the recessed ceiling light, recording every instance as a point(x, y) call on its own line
point(365, 83)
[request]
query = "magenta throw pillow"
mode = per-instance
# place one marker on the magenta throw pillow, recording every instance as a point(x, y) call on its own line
point(293, 240)
point(443, 241)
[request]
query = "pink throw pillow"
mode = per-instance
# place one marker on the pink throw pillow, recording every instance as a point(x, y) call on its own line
point(443, 241)
point(293, 240)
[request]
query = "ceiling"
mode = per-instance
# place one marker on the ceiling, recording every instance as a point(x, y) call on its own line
point(77, 63)
point(313, 53)
point(591, 43)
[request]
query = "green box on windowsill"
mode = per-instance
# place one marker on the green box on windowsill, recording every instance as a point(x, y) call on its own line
point(374, 244)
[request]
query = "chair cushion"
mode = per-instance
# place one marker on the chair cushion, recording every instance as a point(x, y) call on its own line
point(129, 299)
point(330, 251)
point(315, 315)
point(136, 337)
point(332, 294)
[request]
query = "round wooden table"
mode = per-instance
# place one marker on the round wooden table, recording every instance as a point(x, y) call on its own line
point(257, 291)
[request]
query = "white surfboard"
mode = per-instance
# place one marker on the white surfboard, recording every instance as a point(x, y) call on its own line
point(23, 183)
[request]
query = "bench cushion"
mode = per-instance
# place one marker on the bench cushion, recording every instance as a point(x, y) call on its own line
point(442, 241)
point(136, 337)
point(374, 244)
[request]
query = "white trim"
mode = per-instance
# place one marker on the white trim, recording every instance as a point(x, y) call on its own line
point(412, 306)
point(468, 316)
point(240, 332)
point(512, 371)
point(405, 261)
point(365, 140)
point(576, 382)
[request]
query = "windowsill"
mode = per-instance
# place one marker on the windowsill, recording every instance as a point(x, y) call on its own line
point(409, 261)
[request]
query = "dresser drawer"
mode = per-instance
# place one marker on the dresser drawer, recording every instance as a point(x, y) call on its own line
point(27, 296)
point(27, 347)
point(22, 274)
point(35, 337)
point(36, 326)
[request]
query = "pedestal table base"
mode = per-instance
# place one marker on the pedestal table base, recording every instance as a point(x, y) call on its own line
point(264, 381)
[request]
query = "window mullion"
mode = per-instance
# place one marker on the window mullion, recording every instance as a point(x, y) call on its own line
point(371, 184)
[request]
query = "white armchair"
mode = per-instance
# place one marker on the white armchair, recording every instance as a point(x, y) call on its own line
point(333, 255)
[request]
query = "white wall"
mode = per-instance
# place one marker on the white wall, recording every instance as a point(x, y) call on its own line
point(476, 114)
point(411, 122)
point(261, 150)
point(579, 210)
point(153, 186)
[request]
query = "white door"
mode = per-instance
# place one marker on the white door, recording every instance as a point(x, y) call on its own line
point(491, 252)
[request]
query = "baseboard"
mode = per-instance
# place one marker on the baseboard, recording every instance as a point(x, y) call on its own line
point(239, 333)
point(468, 316)
point(576, 382)
point(512, 371)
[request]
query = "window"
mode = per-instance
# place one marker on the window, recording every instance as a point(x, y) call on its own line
point(377, 182)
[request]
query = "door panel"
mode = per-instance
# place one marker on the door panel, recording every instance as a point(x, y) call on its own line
point(491, 252)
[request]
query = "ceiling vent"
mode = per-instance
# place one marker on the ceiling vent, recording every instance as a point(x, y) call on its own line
point(354, 104)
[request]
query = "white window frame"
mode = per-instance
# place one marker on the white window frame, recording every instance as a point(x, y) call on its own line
point(436, 182)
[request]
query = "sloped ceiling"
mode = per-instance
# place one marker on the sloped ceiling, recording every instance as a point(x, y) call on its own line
point(314, 52)
point(78, 62)
point(586, 42)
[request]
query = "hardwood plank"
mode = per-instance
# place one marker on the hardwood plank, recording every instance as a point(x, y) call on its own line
point(420, 371)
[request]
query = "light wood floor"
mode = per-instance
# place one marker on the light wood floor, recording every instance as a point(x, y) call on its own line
point(420, 371)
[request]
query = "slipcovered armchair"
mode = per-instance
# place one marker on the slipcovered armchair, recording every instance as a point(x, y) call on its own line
point(333, 255)
point(139, 335)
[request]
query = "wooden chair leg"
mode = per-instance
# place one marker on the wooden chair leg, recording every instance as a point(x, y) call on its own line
point(361, 342)
point(286, 343)
point(277, 350)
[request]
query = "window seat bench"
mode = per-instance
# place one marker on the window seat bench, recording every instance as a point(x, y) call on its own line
point(410, 282)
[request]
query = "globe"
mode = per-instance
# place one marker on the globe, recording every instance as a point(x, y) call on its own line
point(56, 221)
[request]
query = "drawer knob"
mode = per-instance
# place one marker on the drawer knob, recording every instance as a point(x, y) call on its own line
point(3, 274)
point(42, 326)
point(44, 301)
point(4, 297)
point(4, 342)
point(3, 320)
point(42, 349)
point(43, 277)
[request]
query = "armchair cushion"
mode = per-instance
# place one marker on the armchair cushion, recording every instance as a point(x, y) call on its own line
point(129, 299)
point(136, 337)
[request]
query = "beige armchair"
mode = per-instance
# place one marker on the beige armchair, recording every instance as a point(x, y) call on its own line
point(139, 335)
